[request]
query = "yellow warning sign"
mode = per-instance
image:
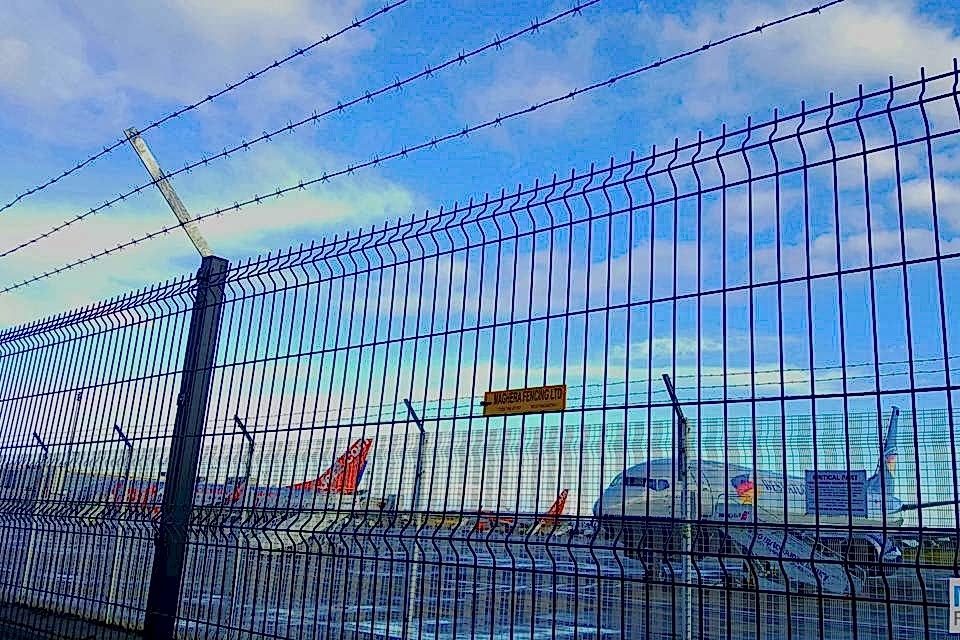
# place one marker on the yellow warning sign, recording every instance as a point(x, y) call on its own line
point(529, 400)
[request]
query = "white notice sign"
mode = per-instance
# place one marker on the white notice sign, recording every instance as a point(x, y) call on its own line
point(837, 493)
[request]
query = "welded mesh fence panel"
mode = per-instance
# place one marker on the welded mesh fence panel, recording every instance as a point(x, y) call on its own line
point(791, 277)
point(86, 398)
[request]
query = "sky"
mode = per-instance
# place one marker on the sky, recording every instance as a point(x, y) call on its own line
point(72, 78)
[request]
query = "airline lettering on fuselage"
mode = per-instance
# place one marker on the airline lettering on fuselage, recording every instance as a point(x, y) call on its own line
point(767, 486)
point(777, 487)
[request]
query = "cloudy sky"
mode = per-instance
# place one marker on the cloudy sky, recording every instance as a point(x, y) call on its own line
point(72, 77)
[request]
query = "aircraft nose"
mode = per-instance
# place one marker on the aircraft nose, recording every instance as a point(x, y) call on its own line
point(615, 503)
point(612, 502)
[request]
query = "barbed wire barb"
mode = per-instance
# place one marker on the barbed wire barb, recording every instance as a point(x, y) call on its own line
point(107, 149)
point(435, 141)
point(339, 108)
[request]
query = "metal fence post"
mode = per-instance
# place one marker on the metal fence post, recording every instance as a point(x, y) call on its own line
point(232, 554)
point(37, 494)
point(686, 512)
point(120, 542)
point(171, 539)
point(411, 576)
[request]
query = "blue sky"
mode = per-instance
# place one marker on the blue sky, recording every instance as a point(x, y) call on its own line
point(73, 77)
point(72, 84)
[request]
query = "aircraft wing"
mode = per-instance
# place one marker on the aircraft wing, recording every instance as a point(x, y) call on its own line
point(928, 505)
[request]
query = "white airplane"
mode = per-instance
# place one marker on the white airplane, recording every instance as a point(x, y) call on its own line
point(737, 501)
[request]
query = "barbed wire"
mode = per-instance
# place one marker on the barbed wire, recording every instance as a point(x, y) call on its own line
point(356, 24)
point(339, 108)
point(431, 143)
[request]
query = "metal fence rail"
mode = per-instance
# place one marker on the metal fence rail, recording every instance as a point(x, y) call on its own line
point(791, 277)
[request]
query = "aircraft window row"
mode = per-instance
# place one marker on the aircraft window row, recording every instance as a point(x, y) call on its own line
point(654, 484)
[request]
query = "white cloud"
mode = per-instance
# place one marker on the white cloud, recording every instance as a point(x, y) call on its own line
point(855, 251)
point(918, 196)
point(843, 46)
point(82, 70)
point(533, 71)
point(526, 76)
point(756, 210)
point(346, 203)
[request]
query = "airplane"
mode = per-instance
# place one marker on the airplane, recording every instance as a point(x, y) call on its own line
point(731, 501)
point(144, 496)
point(491, 521)
point(341, 478)
point(552, 517)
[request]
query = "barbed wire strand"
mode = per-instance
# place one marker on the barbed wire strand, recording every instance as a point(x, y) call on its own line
point(356, 24)
point(315, 117)
point(431, 143)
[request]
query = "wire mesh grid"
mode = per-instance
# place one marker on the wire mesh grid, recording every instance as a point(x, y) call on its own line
point(792, 279)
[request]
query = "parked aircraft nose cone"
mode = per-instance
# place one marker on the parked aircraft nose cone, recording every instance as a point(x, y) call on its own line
point(611, 503)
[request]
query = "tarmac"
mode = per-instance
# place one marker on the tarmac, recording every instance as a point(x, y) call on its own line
point(384, 583)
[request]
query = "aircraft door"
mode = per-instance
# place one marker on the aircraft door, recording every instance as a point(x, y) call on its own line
point(704, 493)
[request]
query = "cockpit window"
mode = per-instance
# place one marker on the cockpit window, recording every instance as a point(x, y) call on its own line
point(654, 484)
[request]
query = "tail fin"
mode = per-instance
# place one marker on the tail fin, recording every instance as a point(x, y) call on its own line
point(345, 474)
point(885, 476)
point(556, 509)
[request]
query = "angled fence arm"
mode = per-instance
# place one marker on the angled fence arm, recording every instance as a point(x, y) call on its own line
point(190, 226)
